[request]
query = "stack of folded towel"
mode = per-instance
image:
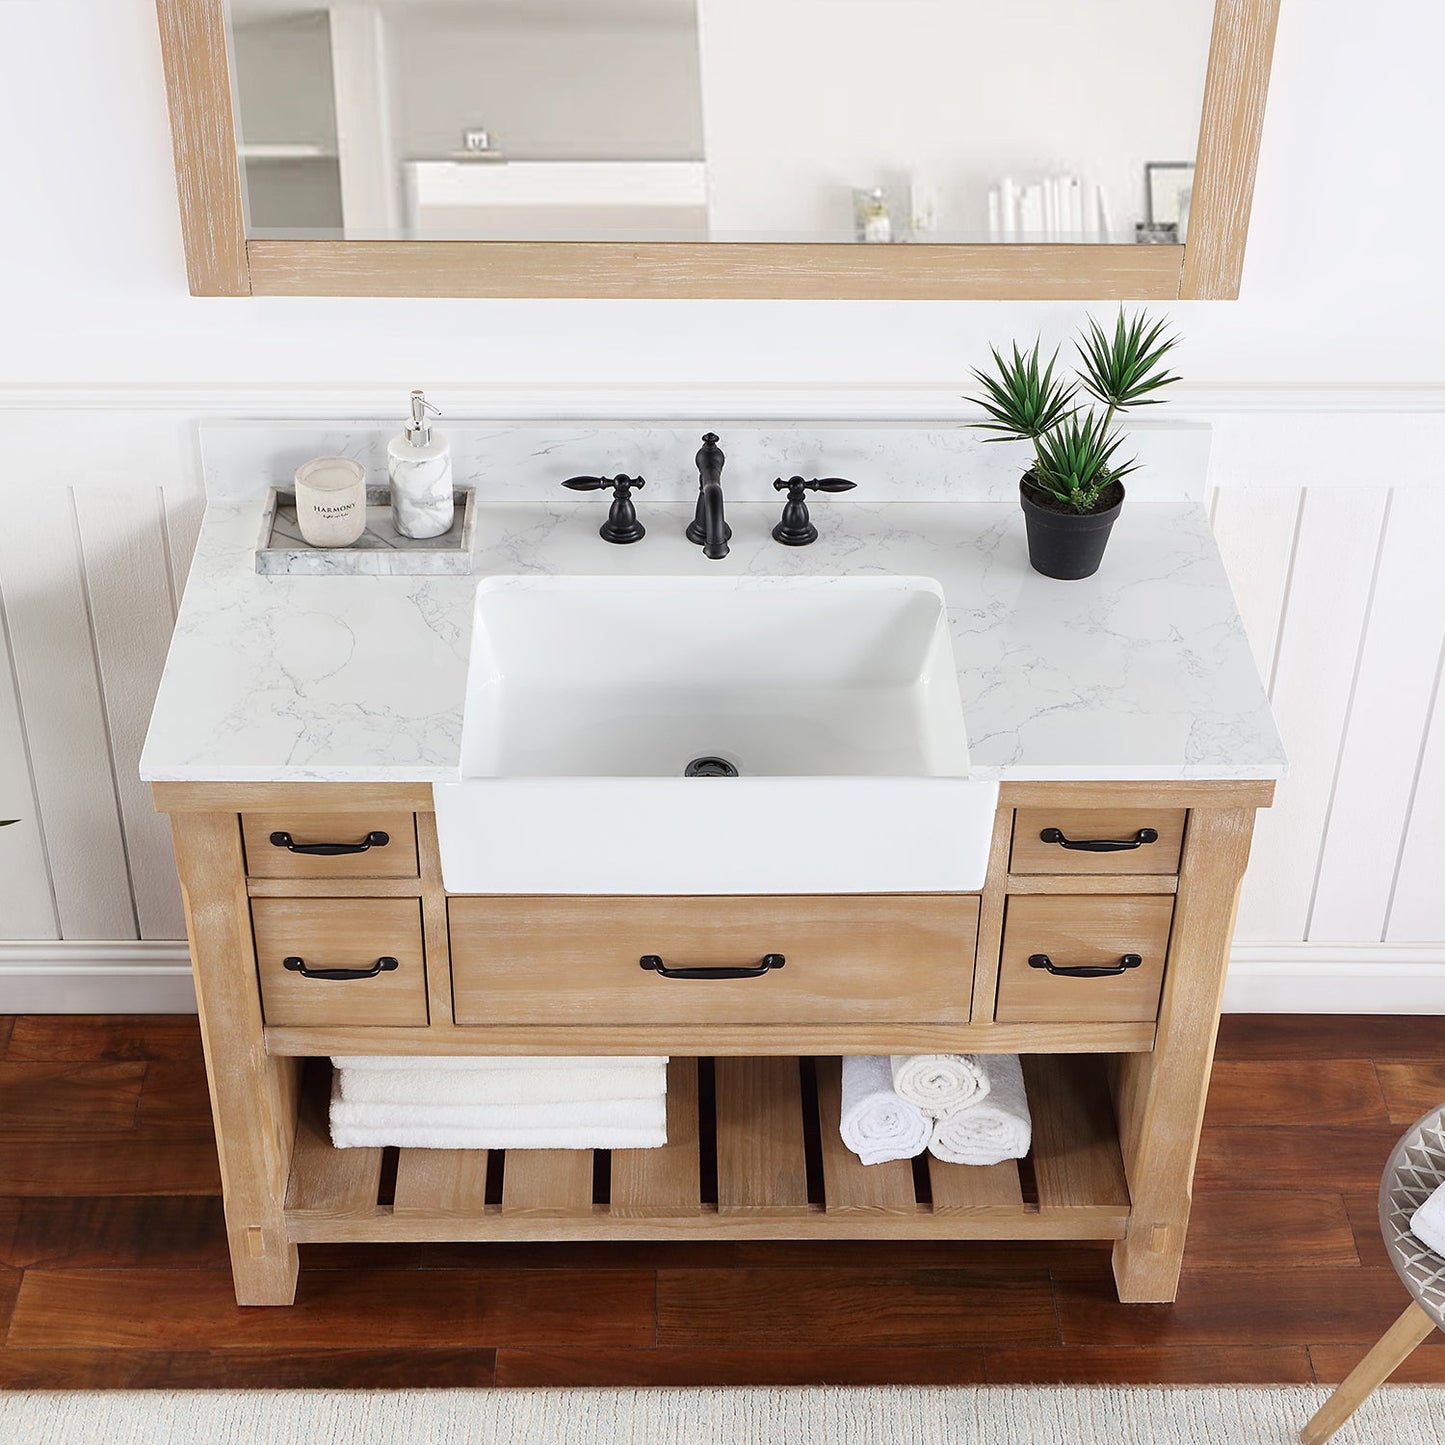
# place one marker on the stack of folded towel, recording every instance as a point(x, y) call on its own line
point(499, 1103)
point(963, 1108)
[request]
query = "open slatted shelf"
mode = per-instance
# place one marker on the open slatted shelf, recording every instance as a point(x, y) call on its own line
point(752, 1152)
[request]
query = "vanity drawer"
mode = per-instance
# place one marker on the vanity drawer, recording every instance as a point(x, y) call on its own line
point(1082, 932)
point(847, 959)
point(358, 834)
point(349, 935)
point(1033, 853)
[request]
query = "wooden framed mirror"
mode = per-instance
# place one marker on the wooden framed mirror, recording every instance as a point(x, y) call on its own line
point(655, 219)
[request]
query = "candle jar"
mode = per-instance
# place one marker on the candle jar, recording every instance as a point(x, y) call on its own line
point(331, 501)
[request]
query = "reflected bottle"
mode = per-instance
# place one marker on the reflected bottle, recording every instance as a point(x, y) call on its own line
point(419, 464)
point(877, 223)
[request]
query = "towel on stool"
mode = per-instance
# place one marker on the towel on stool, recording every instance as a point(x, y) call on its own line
point(589, 1124)
point(540, 1085)
point(939, 1083)
point(876, 1124)
point(1427, 1223)
point(993, 1130)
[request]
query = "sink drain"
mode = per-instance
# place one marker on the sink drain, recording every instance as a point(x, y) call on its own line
point(710, 768)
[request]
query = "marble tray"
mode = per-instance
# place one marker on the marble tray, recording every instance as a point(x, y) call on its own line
point(380, 550)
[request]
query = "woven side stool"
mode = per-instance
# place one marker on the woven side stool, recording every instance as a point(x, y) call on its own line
point(1415, 1170)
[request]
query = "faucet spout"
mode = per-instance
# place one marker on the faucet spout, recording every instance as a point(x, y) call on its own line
point(709, 528)
point(715, 529)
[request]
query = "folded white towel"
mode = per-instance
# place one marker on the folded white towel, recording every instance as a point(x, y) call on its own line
point(472, 1063)
point(995, 1129)
point(364, 1136)
point(1427, 1223)
point(515, 1123)
point(504, 1086)
point(939, 1083)
point(876, 1124)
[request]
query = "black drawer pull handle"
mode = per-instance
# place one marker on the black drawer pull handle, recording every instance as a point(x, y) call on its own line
point(1087, 970)
point(768, 961)
point(330, 850)
point(1100, 845)
point(385, 964)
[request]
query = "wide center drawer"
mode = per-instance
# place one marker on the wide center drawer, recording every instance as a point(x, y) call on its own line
point(853, 959)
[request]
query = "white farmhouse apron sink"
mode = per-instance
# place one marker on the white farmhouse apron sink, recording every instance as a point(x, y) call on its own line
point(591, 700)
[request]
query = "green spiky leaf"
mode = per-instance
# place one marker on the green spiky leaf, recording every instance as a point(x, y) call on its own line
point(1024, 399)
point(1125, 370)
point(1074, 463)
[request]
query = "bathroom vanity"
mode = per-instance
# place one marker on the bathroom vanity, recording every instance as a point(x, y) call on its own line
point(303, 721)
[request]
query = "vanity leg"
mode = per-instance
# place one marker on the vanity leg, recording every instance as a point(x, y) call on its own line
point(253, 1096)
point(1159, 1096)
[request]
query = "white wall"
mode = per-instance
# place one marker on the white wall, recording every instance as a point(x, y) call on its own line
point(1326, 383)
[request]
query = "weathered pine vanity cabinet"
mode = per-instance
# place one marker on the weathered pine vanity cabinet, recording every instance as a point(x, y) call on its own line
point(1118, 1051)
point(303, 719)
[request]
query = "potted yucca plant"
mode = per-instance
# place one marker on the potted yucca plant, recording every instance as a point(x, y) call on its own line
point(1073, 489)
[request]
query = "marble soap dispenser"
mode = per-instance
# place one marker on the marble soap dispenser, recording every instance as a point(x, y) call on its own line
point(420, 467)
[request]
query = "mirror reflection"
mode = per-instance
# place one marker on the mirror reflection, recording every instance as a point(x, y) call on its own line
point(868, 121)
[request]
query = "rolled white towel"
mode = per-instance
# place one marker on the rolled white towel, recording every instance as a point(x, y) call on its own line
point(499, 1064)
point(1427, 1223)
point(589, 1124)
point(876, 1124)
point(500, 1086)
point(939, 1083)
point(993, 1130)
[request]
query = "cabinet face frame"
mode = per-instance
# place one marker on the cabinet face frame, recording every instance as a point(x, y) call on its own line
point(220, 261)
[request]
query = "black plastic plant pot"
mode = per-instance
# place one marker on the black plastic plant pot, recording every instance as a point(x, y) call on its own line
point(1066, 545)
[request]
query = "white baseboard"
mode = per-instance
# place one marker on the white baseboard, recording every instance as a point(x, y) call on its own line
point(1336, 978)
point(96, 978)
point(1320, 978)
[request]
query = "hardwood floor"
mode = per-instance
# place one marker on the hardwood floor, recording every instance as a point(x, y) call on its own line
point(113, 1269)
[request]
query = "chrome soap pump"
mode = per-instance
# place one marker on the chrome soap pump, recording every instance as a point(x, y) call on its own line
point(419, 464)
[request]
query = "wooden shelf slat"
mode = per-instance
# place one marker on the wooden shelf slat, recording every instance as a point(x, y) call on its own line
point(440, 1183)
point(965, 1189)
point(547, 1183)
point(760, 1160)
point(849, 1185)
point(1077, 1163)
point(328, 1183)
point(653, 1183)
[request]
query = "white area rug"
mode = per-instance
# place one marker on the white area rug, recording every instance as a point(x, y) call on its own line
point(1395, 1415)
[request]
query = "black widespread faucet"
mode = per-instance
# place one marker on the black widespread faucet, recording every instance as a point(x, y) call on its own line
point(709, 528)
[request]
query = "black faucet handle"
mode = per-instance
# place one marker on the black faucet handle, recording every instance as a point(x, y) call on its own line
point(621, 525)
point(796, 528)
point(820, 484)
point(620, 484)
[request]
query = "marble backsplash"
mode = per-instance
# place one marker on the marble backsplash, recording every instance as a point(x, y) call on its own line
point(527, 461)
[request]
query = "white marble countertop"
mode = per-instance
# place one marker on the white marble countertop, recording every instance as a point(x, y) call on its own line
point(1141, 672)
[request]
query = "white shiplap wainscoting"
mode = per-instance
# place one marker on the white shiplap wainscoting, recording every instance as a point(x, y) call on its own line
point(1327, 522)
